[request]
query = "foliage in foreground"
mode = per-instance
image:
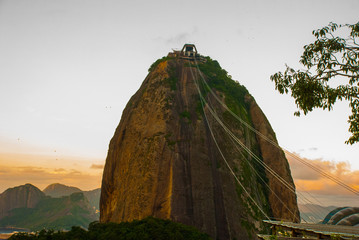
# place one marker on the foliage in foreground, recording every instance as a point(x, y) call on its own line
point(148, 228)
point(330, 56)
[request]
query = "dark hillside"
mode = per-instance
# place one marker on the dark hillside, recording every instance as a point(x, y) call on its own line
point(59, 190)
point(53, 213)
point(24, 196)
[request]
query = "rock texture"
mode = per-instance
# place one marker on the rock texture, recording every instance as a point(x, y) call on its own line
point(276, 160)
point(163, 160)
point(25, 196)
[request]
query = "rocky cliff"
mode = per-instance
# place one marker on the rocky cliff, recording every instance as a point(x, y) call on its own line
point(176, 157)
point(25, 196)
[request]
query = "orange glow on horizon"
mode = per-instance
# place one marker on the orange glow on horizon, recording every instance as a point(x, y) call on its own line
point(43, 170)
point(309, 180)
point(85, 173)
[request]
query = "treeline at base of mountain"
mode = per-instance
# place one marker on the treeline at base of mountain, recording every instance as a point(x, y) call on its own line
point(148, 228)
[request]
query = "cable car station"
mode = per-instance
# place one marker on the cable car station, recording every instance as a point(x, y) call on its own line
point(188, 52)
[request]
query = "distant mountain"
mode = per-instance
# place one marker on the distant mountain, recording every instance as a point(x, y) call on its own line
point(314, 213)
point(59, 190)
point(53, 213)
point(27, 206)
point(25, 196)
point(94, 198)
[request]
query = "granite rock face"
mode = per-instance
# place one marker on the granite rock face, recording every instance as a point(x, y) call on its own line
point(24, 196)
point(172, 158)
point(276, 160)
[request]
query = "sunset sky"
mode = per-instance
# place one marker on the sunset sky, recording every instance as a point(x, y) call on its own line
point(68, 68)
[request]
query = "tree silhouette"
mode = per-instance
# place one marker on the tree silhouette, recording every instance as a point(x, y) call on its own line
point(331, 57)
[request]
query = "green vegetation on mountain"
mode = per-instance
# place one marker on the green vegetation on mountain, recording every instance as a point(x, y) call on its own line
point(172, 78)
point(148, 228)
point(158, 61)
point(60, 190)
point(234, 96)
point(52, 213)
point(219, 79)
point(93, 196)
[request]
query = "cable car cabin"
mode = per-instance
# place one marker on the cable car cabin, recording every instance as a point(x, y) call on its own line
point(189, 52)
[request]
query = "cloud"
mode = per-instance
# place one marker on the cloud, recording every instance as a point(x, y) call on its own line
point(182, 37)
point(97, 166)
point(309, 180)
point(313, 149)
point(75, 172)
point(43, 170)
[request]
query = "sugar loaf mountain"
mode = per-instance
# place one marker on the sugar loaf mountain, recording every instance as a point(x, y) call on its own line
point(194, 147)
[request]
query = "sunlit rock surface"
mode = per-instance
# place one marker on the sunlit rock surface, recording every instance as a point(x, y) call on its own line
point(163, 161)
